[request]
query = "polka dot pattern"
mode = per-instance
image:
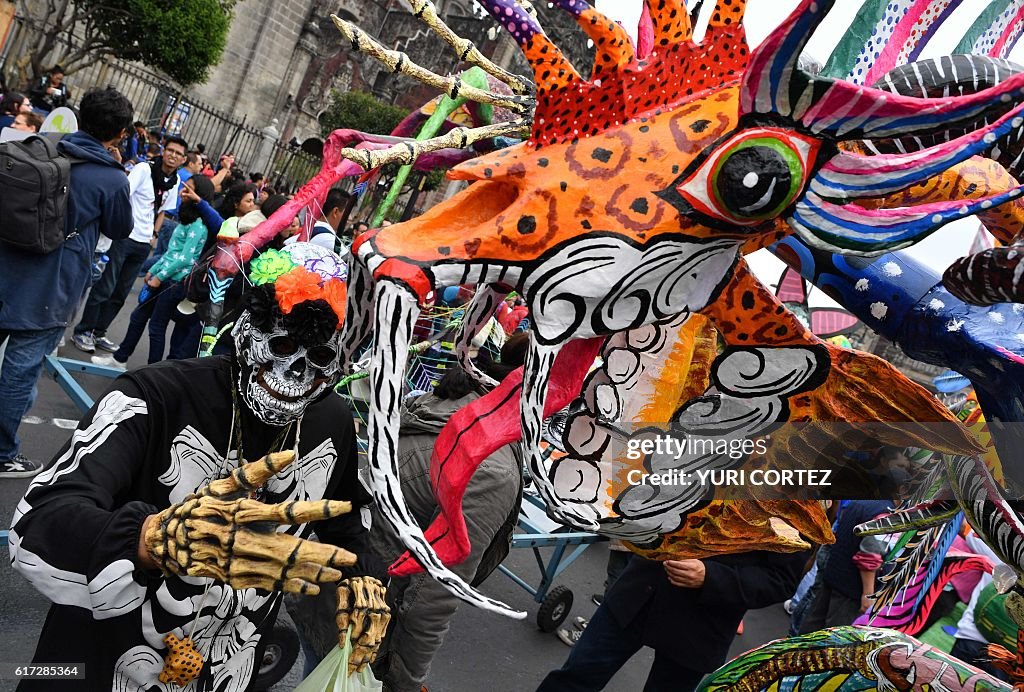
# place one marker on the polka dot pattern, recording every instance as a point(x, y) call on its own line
point(573, 110)
point(988, 40)
point(922, 28)
point(671, 22)
point(880, 35)
point(728, 12)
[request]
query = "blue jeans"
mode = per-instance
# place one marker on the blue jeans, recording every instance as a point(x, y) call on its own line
point(603, 648)
point(19, 372)
point(108, 295)
point(163, 239)
point(805, 584)
point(158, 310)
point(140, 316)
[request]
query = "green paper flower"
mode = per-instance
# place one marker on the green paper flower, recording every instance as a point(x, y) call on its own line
point(269, 266)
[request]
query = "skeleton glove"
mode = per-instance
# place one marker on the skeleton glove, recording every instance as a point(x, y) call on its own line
point(363, 615)
point(218, 532)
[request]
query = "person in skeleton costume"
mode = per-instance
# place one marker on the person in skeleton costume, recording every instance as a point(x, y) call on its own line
point(164, 554)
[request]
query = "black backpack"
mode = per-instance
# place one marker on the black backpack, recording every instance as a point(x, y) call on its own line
point(34, 180)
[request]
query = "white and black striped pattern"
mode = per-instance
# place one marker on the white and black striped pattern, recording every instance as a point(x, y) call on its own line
point(917, 517)
point(987, 510)
point(947, 77)
point(540, 359)
point(478, 313)
point(395, 312)
point(989, 277)
point(603, 284)
point(359, 304)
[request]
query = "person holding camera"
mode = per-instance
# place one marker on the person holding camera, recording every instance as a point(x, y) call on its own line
point(50, 91)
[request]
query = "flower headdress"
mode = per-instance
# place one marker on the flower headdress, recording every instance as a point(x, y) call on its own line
point(305, 285)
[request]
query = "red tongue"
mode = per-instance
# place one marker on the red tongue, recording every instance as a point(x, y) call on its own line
point(475, 432)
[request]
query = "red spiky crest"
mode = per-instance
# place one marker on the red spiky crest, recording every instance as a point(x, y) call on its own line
point(622, 86)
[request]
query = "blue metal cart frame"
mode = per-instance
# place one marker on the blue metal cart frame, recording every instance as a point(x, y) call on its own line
point(555, 603)
point(61, 368)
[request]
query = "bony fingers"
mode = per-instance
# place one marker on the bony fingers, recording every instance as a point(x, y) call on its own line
point(378, 598)
point(297, 512)
point(374, 632)
point(361, 600)
point(303, 588)
point(358, 659)
point(342, 614)
point(357, 625)
point(313, 572)
point(248, 477)
point(342, 621)
point(324, 554)
point(300, 579)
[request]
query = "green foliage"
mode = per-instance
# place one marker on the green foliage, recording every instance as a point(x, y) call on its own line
point(435, 179)
point(358, 110)
point(183, 38)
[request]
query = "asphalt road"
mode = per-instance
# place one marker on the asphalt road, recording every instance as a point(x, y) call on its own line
point(482, 651)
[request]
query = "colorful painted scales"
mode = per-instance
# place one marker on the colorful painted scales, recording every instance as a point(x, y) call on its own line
point(622, 219)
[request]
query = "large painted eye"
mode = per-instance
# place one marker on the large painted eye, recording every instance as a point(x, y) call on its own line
point(751, 177)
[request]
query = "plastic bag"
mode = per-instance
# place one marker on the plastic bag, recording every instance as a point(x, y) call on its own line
point(332, 675)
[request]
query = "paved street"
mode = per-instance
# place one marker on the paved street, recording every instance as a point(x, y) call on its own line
point(483, 651)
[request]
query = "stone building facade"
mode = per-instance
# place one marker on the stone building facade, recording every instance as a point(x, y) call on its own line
point(282, 59)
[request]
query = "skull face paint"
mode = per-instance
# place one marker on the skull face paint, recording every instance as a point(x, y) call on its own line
point(279, 376)
point(288, 337)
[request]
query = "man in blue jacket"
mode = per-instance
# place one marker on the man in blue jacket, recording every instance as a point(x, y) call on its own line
point(39, 293)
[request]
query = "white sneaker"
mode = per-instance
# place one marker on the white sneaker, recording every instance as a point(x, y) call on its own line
point(570, 637)
point(108, 361)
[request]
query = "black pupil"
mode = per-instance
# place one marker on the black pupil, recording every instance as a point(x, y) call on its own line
point(754, 181)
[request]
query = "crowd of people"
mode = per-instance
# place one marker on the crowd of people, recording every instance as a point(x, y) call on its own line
point(146, 206)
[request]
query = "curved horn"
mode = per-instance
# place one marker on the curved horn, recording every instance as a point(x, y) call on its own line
point(725, 14)
point(551, 69)
point(613, 45)
point(671, 21)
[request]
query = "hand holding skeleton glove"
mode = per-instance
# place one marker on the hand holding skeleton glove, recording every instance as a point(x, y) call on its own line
point(363, 616)
point(219, 532)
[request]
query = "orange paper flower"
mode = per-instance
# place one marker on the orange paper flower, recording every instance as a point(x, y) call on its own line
point(297, 286)
point(335, 293)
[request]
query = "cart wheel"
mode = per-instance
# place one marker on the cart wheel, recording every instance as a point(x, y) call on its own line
point(280, 652)
point(555, 609)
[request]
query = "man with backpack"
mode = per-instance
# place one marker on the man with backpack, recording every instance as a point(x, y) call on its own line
point(150, 187)
point(40, 286)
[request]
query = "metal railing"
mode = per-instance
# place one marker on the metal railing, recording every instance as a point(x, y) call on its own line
point(161, 104)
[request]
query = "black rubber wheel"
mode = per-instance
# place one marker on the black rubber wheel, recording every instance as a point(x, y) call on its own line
point(280, 651)
point(554, 609)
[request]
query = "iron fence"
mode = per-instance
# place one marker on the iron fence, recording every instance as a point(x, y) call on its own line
point(161, 104)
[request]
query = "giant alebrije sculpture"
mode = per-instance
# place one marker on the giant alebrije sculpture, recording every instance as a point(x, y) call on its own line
point(627, 209)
